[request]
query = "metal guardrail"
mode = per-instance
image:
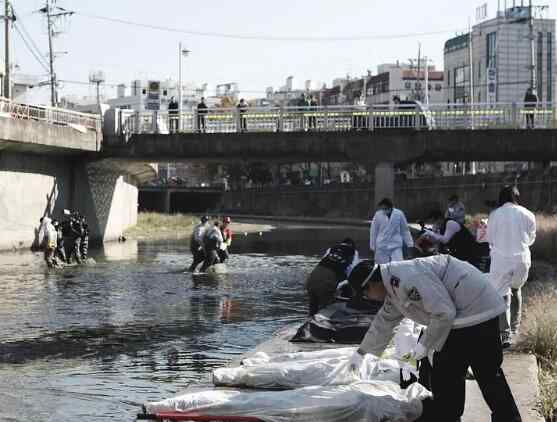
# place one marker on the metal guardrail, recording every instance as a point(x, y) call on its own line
point(50, 115)
point(343, 118)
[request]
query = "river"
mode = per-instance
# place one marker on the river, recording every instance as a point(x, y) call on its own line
point(91, 343)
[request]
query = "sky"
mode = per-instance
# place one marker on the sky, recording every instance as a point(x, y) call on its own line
point(372, 31)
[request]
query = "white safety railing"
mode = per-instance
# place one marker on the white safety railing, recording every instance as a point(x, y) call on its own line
point(343, 118)
point(51, 115)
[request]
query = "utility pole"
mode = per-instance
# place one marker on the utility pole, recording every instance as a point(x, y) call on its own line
point(53, 99)
point(532, 48)
point(7, 76)
point(53, 12)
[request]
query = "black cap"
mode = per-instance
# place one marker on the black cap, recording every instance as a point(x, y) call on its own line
point(361, 275)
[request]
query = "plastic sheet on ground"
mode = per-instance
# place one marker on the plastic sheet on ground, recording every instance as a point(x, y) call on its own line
point(303, 373)
point(372, 401)
point(340, 322)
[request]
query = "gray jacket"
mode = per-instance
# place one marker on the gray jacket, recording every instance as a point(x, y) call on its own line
point(440, 292)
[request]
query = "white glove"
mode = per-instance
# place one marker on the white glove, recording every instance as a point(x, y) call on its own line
point(355, 362)
point(419, 352)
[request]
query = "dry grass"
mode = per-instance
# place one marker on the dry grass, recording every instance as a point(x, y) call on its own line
point(152, 225)
point(545, 246)
point(539, 336)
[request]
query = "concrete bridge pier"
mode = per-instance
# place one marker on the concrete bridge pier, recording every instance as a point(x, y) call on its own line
point(166, 204)
point(384, 181)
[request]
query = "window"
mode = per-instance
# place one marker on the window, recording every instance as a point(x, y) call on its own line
point(418, 85)
point(407, 85)
point(460, 75)
point(539, 67)
point(438, 87)
point(491, 57)
point(550, 69)
point(448, 78)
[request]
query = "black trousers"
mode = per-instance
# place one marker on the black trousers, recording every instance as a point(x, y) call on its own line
point(223, 255)
point(211, 258)
point(198, 255)
point(480, 348)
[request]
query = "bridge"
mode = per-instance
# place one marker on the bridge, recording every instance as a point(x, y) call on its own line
point(380, 134)
point(50, 160)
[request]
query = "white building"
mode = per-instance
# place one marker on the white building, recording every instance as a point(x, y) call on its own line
point(501, 60)
point(406, 82)
point(154, 94)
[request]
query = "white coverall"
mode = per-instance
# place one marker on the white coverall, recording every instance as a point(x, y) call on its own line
point(387, 236)
point(511, 230)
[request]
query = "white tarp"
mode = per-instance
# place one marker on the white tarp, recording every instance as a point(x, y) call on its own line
point(372, 401)
point(309, 370)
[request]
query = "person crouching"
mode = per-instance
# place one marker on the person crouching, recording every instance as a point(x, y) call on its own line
point(333, 268)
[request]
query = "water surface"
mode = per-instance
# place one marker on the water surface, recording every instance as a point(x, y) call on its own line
point(91, 343)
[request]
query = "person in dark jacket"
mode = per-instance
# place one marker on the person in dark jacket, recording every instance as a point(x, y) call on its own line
point(334, 267)
point(530, 103)
point(455, 239)
point(84, 244)
point(173, 117)
point(60, 248)
point(242, 108)
point(202, 111)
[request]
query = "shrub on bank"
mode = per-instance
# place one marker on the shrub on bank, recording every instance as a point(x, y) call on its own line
point(153, 225)
point(539, 336)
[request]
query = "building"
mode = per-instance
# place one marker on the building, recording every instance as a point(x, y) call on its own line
point(289, 94)
point(401, 80)
point(406, 82)
point(501, 59)
point(155, 95)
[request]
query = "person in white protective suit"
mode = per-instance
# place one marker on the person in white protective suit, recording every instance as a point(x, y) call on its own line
point(461, 310)
point(50, 235)
point(511, 230)
point(389, 233)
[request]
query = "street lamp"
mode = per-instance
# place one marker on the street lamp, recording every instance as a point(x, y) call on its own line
point(182, 52)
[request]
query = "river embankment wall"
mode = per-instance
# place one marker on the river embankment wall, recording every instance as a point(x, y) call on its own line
point(33, 186)
point(417, 197)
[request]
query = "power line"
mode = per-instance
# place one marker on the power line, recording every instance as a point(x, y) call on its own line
point(253, 91)
point(19, 22)
point(254, 37)
point(30, 48)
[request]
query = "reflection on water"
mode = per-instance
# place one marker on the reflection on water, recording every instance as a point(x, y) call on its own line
point(89, 343)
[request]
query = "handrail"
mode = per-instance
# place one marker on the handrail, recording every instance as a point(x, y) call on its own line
point(50, 115)
point(478, 116)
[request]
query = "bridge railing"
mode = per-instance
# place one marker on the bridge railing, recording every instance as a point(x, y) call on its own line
point(50, 115)
point(343, 118)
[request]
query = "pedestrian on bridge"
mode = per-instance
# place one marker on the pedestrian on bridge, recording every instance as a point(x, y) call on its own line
point(312, 120)
point(202, 111)
point(242, 108)
point(460, 308)
point(173, 117)
point(389, 233)
point(530, 103)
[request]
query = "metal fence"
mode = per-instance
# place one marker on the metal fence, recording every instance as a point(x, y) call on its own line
point(343, 118)
point(50, 115)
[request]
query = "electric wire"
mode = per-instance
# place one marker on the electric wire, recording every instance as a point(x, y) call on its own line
point(31, 50)
point(255, 37)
